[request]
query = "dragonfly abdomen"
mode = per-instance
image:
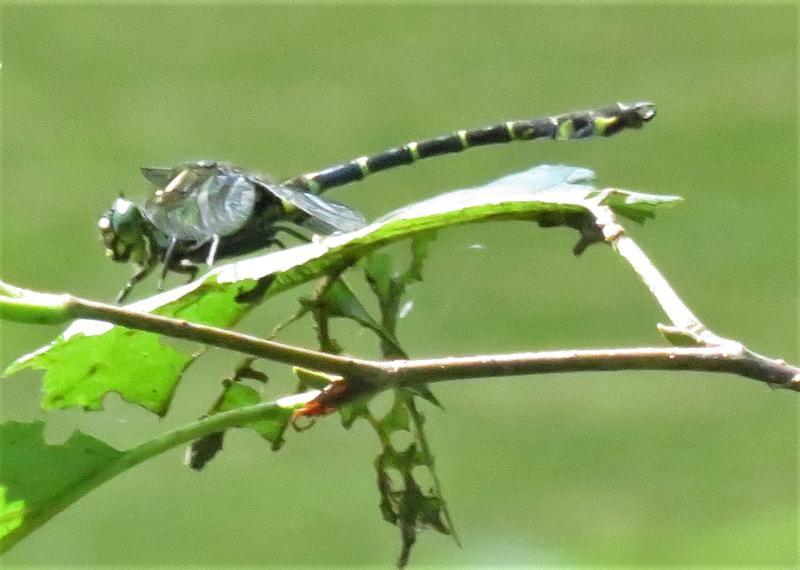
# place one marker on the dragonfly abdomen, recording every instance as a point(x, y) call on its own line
point(600, 122)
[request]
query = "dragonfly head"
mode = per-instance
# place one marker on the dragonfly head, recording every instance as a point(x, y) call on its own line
point(124, 232)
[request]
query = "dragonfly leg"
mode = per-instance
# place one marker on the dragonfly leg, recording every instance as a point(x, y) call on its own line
point(187, 267)
point(143, 272)
point(212, 250)
point(167, 262)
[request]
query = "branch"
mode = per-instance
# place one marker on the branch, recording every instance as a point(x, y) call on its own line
point(723, 356)
point(673, 306)
point(33, 307)
point(710, 353)
point(731, 358)
point(684, 323)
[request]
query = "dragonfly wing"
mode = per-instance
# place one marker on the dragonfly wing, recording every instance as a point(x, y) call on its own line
point(173, 208)
point(325, 216)
point(158, 175)
point(226, 202)
point(180, 221)
point(201, 202)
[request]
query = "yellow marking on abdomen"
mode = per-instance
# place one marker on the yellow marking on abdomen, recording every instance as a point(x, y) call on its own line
point(412, 149)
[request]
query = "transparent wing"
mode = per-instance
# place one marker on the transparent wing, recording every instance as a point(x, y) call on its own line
point(158, 175)
point(325, 216)
point(226, 203)
point(201, 202)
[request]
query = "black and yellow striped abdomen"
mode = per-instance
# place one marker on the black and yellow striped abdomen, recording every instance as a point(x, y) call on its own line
point(600, 122)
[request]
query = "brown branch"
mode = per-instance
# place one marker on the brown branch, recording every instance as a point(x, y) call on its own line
point(730, 357)
point(727, 359)
point(222, 338)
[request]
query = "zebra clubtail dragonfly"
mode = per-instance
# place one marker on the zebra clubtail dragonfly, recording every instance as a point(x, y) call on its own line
point(204, 211)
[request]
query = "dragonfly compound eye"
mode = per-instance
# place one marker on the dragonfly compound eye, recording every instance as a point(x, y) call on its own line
point(115, 248)
point(121, 230)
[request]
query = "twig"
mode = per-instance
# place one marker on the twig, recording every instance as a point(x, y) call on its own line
point(223, 338)
point(673, 306)
point(711, 353)
point(726, 356)
point(683, 320)
point(702, 359)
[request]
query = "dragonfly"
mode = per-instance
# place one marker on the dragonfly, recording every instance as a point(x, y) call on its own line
point(204, 211)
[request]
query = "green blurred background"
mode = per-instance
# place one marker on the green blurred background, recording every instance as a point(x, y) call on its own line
point(622, 468)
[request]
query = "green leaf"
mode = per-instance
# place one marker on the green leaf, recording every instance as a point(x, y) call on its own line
point(236, 395)
point(92, 358)
point(396, 419)
point(408, 506)
point(313, 378)
point(420, 247)
point(271, 428)
point(37, 478)
point(678, 336)
point(424, 392)
point(210, 304)
point(80, 369)
point(379, 271)
point(404, 461)
point(338, 300)
point(637, 206)
point(352, 411)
